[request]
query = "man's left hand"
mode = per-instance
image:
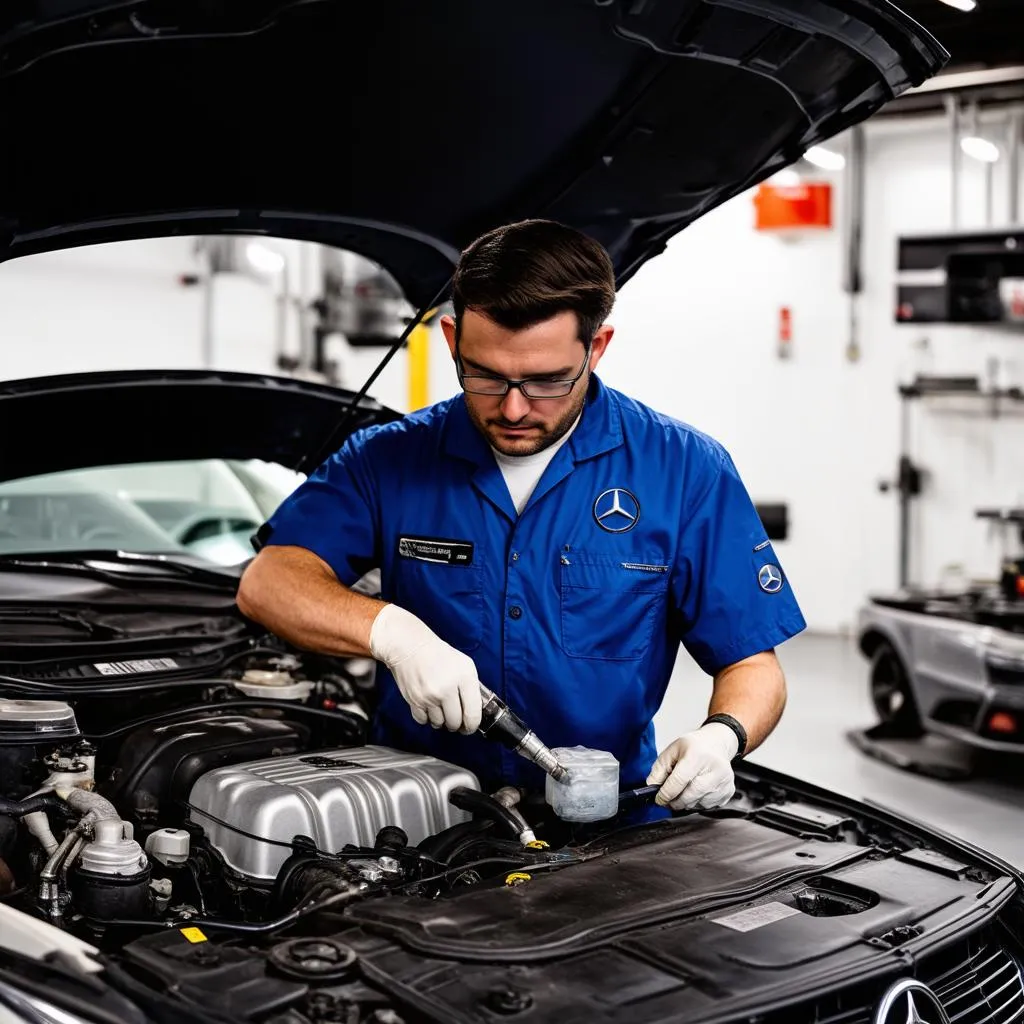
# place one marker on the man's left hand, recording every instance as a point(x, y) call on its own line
point(695, 772)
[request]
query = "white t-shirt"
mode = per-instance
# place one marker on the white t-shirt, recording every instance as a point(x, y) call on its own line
point(522, 473)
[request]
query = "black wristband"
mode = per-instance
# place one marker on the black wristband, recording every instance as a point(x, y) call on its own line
point(728, 720)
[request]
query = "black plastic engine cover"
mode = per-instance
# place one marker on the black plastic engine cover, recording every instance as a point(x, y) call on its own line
point(695, 920)
point(157, 765)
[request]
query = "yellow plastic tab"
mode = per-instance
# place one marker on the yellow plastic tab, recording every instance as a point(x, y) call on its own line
point(517, 877)
point(193, 934)
point(537, 844)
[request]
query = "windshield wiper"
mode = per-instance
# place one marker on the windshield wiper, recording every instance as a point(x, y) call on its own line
point(122, 566)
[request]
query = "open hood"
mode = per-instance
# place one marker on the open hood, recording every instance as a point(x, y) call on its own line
point(401, 129)
point(165, 415)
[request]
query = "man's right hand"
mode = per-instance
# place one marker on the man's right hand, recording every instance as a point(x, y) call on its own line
point(439, 683)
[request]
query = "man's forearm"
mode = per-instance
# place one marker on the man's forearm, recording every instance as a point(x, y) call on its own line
point(753, 691)
point(295, 595)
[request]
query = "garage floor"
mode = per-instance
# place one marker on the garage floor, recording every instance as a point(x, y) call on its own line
point(827, 696)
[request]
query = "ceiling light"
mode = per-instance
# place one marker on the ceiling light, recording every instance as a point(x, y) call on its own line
point(828, 159)
point(961, 5)
point(980, 149)
point(263, 258)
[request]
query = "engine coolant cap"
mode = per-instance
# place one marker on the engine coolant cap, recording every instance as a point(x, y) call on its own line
point(591, 792)
point(275, 685)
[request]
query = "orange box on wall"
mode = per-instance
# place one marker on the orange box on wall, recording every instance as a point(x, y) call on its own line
point(787, 207)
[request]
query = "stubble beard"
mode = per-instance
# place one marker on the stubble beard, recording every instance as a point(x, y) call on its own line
point(535, 442)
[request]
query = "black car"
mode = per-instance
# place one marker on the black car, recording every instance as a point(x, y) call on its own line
point(192, 827)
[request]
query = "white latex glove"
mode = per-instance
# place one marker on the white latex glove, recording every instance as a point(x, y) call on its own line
point(695, 772)
point(439, 683)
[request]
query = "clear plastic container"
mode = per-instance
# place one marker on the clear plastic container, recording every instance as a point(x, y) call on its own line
point(591, 792)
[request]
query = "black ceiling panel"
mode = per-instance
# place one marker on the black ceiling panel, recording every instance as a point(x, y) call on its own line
point(989, 36)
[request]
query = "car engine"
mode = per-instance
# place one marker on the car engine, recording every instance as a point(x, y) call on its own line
point(209, 827)
point(335, 797)
point(241, 798)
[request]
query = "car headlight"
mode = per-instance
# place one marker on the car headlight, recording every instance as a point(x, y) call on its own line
point(1003, 649)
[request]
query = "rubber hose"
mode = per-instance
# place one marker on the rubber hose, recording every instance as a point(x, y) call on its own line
point(480, 803)
point(91, 805)
point(19, 808)
point(442, 846)
point(509, 796)
point(298, 877)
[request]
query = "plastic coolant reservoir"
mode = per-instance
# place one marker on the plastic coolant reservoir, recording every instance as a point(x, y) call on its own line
point(591, 792)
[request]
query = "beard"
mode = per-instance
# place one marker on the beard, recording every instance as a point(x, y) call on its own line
point(541, 434)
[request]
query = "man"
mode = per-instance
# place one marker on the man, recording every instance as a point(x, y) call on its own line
point(544, 535)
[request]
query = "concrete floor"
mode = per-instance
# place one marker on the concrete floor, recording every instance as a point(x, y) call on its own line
point(828, 695)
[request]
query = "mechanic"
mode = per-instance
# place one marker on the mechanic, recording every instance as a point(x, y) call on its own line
point(540, 533)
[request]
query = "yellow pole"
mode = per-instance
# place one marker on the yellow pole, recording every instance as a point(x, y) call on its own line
point(419, 363)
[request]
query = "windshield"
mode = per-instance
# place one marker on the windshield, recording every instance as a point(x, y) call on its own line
point(208, 509)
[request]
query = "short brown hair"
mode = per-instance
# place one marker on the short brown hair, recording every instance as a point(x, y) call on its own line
point(520, 274)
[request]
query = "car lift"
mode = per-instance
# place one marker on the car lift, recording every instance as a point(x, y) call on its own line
point(909, 475)
point(929, 755)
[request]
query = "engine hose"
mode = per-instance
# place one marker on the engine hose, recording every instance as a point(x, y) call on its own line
point(242, 928)
point(299, 876)
point(91, 806)
point(510, 796)
point(32, 804)
point(480, 803)
point(442, 846)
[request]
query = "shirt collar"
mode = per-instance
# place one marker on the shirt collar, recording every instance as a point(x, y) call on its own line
point(599, 429)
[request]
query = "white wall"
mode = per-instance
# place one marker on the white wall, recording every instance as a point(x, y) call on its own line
point(696, 337)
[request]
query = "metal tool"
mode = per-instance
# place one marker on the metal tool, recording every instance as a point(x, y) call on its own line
point(499, 722)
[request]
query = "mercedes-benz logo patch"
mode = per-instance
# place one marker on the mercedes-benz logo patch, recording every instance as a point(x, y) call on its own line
point(616, 510)
point(769, 578)
point(910, 1002)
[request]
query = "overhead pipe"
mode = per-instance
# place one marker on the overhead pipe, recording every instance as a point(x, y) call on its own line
point(206, 337)
point(953, 111)
point(974, 130)
point(306, 353)
point(1016, 142)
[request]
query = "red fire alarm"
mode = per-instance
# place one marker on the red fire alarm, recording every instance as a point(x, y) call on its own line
point(785, 331)
point(801, 207)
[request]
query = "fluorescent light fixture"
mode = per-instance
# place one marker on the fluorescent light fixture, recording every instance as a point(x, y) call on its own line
point(787, 177)
point(961, 5)
point(827, 159)
point(263, 258)
point(980, 149)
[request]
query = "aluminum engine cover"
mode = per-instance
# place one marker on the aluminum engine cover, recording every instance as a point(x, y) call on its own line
point(333, 796)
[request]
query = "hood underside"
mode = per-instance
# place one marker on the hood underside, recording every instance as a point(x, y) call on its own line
point(401, 130)
point(157, 415)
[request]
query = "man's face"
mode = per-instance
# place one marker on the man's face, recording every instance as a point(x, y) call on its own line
point(513, 423)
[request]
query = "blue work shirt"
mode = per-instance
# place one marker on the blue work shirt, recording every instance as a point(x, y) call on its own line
point(639, 536)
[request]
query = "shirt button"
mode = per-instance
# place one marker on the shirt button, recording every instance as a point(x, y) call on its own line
point(515, 556)
point(515, 612)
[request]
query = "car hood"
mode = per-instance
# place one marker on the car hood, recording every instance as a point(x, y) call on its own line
point(401, 130)
point(157, 416)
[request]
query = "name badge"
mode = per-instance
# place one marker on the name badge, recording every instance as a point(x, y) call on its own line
point(436, 549)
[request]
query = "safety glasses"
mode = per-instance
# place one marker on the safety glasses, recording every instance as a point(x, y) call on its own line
point(536, 388)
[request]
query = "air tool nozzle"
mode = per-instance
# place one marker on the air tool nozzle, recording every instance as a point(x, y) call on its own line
point(500, 723)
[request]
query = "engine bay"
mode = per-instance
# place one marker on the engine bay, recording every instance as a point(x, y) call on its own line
point(232, 842)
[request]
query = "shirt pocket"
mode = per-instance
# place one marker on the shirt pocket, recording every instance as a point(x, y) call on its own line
point(448, 598)
point(611, 604)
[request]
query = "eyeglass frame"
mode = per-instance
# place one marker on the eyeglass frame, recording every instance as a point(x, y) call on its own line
point(521, 385)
